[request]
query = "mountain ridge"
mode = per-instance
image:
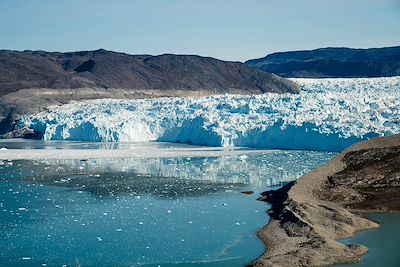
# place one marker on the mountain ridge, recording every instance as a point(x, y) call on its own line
point(332, 62)
point(107, 69)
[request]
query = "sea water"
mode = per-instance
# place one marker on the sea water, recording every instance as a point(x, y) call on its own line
point(383, 243)
point(170, 211)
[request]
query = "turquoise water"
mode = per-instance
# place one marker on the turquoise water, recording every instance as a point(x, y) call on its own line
point(383, 243)
point(140, 211)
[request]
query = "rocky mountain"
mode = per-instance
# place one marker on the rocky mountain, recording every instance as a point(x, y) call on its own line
point(332, 62)
point(30, 81)
point(107, 69)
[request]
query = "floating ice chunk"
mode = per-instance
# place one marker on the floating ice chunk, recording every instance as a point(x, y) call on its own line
point(243, 157)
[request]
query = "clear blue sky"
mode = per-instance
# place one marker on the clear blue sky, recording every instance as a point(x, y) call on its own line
point(230, 29)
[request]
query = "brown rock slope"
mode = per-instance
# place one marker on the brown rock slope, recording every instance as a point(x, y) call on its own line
point(33, 80)
point(107, 69)
point(307, 217)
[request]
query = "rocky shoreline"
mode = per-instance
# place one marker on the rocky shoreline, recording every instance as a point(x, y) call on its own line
point(307, 217)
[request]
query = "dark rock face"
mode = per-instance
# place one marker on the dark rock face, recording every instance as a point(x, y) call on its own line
point(85, 66)
point(332, 62)
point(106, 69)
point(373, 175)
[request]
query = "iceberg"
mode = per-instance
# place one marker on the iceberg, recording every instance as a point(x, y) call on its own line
point(328, 115)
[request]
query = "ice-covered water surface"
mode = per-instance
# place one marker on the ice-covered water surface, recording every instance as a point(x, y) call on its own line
point(328, 115)
point(140, 211)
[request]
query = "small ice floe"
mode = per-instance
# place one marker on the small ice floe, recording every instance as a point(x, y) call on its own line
point(237, 224)
point(97, 175)
point(99, 239)
point(118, 230)
point(169, 211)
point(22, 209)
point(224, 204)
point(25, 258)
point(243, 157)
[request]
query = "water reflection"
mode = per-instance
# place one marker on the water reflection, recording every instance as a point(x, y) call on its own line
point(170, 177)
point(41, 144)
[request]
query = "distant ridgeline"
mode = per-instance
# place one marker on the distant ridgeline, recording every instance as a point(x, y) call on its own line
point(332, 62)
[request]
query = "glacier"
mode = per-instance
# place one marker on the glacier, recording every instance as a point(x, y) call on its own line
point(328, 115)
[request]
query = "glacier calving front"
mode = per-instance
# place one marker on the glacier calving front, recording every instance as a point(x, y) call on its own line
point(329, 114)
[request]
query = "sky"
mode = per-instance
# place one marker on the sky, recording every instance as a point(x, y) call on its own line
point(234, 30)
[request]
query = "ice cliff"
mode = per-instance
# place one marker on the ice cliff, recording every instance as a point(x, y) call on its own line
point(328, 115)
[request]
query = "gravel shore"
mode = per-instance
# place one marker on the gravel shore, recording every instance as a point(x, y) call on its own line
point(325, 205)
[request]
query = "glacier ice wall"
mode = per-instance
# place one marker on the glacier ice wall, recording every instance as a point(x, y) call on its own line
point(328, 115)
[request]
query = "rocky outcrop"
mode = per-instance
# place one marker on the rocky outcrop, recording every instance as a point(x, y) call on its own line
point(309, 216)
